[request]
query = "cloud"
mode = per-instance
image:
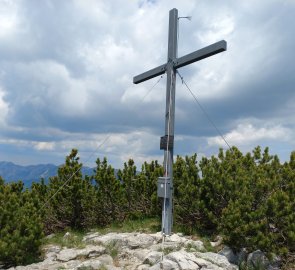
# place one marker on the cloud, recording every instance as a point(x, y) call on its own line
point(248, 134)
point(66, 72)
point(44, 146)
point(3, 108)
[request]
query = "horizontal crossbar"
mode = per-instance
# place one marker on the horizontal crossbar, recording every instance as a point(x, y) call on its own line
point(200, 54)
point(183, 61)
point(150, 74)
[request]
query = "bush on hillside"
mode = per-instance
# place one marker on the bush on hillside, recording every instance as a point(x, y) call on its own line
point(69, 197)
point(21, 228)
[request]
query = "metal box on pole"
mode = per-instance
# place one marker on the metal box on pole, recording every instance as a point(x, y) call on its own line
point(164, 187)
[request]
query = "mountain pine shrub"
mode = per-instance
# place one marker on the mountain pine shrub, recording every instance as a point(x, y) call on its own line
point(21, 229)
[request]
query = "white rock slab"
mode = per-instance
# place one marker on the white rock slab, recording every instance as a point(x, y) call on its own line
point(153, 257)
point(185, 260)
point(217, 259)
point(66, 255)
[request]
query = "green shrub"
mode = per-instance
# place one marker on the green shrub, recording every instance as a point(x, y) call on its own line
point(21, 228)
point(70, 198)
point(262, 216)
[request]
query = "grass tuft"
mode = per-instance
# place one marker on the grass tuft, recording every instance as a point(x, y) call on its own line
point(143, 225)
point(73, 240)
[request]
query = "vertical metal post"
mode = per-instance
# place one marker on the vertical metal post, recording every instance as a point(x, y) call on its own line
point(167, 203)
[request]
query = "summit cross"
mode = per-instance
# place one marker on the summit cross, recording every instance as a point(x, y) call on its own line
point(165, 184)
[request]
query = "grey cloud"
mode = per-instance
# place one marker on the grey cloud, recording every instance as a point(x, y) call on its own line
point(68, 64)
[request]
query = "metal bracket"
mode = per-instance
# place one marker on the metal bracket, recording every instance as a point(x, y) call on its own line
point(164, 141)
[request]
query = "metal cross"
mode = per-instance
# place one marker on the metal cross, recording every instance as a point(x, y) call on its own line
point(165, 184)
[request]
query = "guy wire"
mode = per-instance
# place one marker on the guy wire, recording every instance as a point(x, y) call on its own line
point(204, 111)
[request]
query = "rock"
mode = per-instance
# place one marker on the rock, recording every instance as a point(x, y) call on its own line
point(168, 265)
point(217, 242)
point(111, 267)
point(167, 246)
point(127, 260)
point(133, 251)
point(139, 241)
point(66, 255)
point(152, 258)
point(140, 254)
point(67, 235)
point(157, 237)
point(143, 267)
point(196, 244)
point(50, 252)
point(51, 248)
point(229, 254)
point(50, 236)
point(106, 259)
point(217, 259)
point(205, 264)
point(88, 237)
point(275, 263)
point(258, 259)
point(176, 238)
point(111, 239)
point(242, 256)
point(183, 259)
point(70, 264)
point(155, 267)
point(92, 264)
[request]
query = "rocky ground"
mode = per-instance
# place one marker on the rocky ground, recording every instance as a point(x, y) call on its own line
point(140, 251)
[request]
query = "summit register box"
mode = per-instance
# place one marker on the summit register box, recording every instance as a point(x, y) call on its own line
point(164, 187)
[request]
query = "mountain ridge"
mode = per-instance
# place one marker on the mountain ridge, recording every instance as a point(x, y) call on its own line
point(12, 172)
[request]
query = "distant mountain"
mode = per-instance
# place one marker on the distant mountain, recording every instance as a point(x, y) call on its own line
point(11, 172)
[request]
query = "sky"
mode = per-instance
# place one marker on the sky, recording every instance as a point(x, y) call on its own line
point(67, 68)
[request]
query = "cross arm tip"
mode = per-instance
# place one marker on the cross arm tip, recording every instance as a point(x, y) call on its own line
point(223, 44)
point(149, 74)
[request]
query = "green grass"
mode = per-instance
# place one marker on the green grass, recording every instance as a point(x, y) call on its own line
point(71, 241)
point(146, 225)
point(112, 250)
point(168, 250)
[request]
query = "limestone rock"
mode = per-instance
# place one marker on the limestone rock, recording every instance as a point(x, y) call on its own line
point(92, 264)
point(50, 252)
point(132, 251)
point(143, 267)
point(66, 255)
point(139, 241)
point(50, 236)
point(217, 242)
point(229, 254)
point(106, 259)
point(258, 259)
point(67, 235)
point(152, 258)
point(197, 245)
point(184, 260)
point(157, 237)
point(140, 254)
point(168, 265)
point(73, 264)
point(89, 236)
point(217, 259)
point(176, 238)
point(115, 239)
point(166, 246)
